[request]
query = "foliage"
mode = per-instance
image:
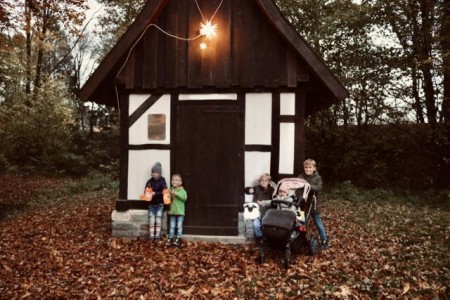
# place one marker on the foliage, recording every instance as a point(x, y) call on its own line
point(342, 32)
point(389, 54)
point(388, 156)
point(64, 249)
point(118, 16)
point(43, 128)
point(98, 151)
point(37, 136)
point(416, 26)
point(4, 15)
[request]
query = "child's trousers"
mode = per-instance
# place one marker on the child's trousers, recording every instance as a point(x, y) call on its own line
point(320, 227)
point(155, 213)
point(257, 227)
point(176, 222)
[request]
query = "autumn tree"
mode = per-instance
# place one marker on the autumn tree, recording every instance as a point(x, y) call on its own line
point(36, 61)
point(38, 137)
point(392, 56)
point(415, 27)
point(342, 33)
point(444, 39)
point(42, 18)
point(4, 15)
point(117, 17)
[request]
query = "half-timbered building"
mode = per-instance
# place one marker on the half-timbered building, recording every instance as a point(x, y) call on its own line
point(220, 111)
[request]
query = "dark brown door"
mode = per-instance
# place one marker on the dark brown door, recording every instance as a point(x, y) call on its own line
point(209, 155)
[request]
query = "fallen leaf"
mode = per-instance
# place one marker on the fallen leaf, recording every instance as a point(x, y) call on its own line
point(406, 288)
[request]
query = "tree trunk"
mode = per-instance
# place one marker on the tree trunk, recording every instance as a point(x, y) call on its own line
point(426, 64)
point(415, 94)
point(28, 47)
point(445, 48)
point(430, 100)
point(40, 55)
point(46, 19)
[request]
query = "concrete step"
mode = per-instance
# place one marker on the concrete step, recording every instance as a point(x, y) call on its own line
point(216, 239)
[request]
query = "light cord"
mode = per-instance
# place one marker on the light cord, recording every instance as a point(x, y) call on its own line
point(198, 7)
point(166, 33)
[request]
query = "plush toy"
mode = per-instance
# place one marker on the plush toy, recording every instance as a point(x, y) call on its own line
point(251, 211)
point(148, 194)
point(301, 217)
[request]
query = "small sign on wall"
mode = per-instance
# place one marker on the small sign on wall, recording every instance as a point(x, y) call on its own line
point(157, 127)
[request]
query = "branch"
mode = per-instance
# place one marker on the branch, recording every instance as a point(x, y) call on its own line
point(75, 44)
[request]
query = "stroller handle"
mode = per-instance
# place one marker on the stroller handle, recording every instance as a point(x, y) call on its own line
point(277, 201)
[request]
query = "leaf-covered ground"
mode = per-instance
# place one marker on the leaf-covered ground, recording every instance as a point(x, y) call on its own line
point(62, 247)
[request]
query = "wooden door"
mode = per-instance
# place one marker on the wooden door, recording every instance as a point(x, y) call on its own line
point(209, 155)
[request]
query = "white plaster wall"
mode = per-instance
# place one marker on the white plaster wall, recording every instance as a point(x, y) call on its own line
point(258, 119)
point(287, 104)
point(287, 147)
point(140, 163)
point(256, 163)
point(138, 132)
point(207, 97)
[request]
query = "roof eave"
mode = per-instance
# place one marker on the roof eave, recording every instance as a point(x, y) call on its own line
point(317, 66)
point(115, 57)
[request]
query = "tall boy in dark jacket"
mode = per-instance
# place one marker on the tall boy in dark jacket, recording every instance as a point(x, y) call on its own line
point(311, 175)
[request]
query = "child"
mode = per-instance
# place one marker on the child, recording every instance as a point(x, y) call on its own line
point(155, 210)
point(282, 195)
point(311, 175)
point(178, 197)
point(263, 191)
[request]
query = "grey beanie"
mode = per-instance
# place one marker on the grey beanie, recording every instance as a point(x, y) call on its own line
point(157, 168)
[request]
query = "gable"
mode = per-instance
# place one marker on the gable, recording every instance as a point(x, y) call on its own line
point(255, 47)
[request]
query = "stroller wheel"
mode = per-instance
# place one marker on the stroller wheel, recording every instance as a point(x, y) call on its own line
point(314, 246)
point(261, 255)
point(287, 258)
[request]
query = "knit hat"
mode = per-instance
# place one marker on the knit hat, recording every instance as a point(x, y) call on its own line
point(157, 168)
point(283, 189)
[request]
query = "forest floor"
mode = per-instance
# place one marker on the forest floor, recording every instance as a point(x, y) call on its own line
point(56, 243)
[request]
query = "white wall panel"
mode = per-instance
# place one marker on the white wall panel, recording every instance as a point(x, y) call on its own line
point(140, 163)
point(138, 132)
point(287, 147)
point(258, 119)
point(182, 97)
point(287, 104)
point(256, 163)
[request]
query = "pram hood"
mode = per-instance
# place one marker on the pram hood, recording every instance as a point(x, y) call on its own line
point(290, 185)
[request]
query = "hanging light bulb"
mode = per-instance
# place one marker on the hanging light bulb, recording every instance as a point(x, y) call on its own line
point(208, 30)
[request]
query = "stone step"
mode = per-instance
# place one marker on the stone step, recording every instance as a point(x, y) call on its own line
point(133, 223)
point(216, 239)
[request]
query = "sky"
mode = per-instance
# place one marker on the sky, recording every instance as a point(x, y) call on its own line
point(92, 14)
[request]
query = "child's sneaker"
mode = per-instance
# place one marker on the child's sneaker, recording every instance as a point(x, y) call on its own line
point(169, 242)
point(177, 242)
point(325, 244)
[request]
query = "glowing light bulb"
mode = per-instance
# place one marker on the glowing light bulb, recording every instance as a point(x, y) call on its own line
point(203, 46)
point(208, 30)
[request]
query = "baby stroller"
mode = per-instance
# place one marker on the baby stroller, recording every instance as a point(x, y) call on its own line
point(284, 229)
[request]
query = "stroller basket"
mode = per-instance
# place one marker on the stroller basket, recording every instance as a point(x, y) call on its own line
point(277, 225)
